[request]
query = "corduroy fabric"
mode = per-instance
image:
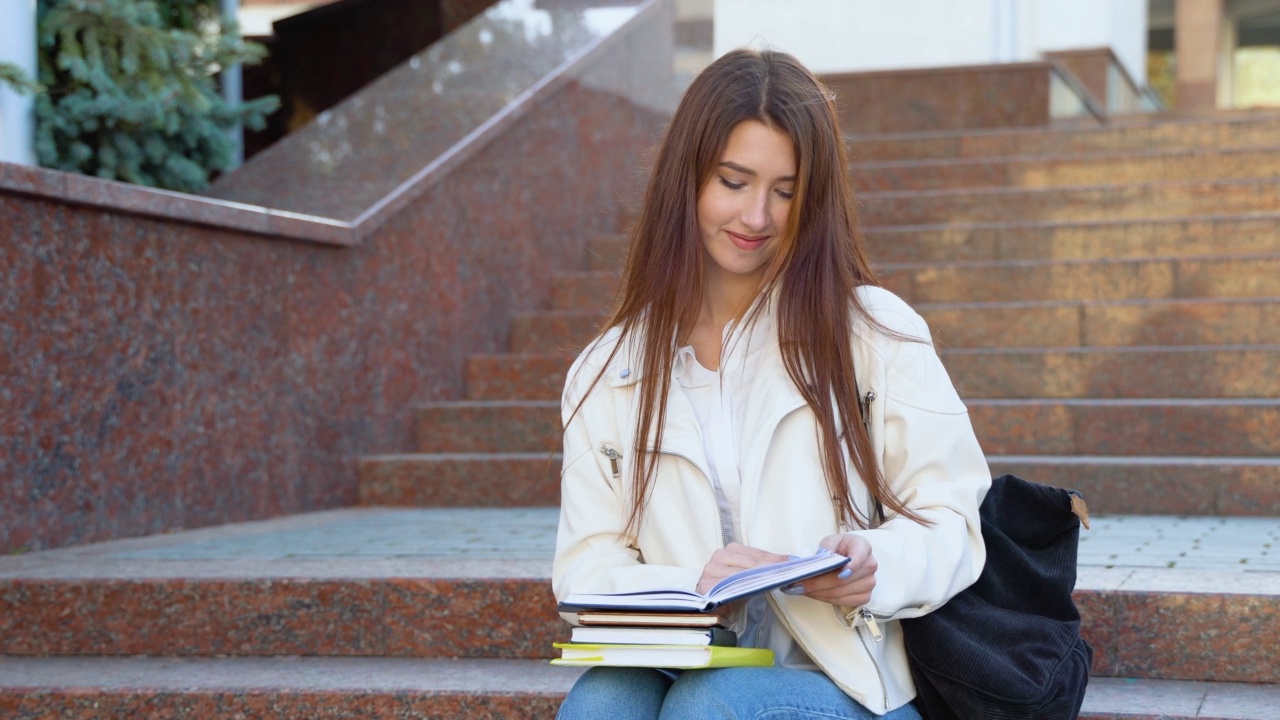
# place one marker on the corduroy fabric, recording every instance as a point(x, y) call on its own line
point(1009, 647)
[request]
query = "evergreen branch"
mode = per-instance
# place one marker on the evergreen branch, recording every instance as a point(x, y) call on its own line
point(17, 80)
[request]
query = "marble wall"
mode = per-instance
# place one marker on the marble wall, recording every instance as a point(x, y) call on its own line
point(171, 361)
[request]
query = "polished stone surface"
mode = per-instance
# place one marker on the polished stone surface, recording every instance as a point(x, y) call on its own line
point(416, 118)
point(170, 365)
point(438, 582)
point(1010, 95)
point(340, 688)
point(1096, 168)
point(281, 688)
point(1260, 128)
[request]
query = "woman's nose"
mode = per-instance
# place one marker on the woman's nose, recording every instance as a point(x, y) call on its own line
point(756, 214)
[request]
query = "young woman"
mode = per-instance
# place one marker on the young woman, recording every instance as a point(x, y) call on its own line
point(757, 395)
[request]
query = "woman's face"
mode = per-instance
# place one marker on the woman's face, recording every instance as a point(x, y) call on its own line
point(744, 207)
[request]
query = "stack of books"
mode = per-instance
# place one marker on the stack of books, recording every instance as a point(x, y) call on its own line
point(678, 629)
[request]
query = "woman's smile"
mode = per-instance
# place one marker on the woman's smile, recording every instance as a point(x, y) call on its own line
point(744, 206)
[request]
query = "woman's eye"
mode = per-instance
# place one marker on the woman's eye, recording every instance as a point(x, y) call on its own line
point(786, 194)
point(732, 185)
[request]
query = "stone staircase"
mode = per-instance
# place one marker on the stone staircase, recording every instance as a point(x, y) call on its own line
point(1107, 300)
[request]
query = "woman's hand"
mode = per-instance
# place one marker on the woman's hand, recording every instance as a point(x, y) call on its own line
point(850, 585)
point(735, 557)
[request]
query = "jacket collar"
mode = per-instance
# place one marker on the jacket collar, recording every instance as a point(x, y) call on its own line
point(751, 333)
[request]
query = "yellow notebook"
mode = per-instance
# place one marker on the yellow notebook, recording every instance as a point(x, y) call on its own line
point(683, 657)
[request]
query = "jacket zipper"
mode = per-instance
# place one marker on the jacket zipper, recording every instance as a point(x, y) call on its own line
point(884, 687)
point(867, 618)
point(613, 455)
point(712, 485)
point(871, 623)
point(865, 402)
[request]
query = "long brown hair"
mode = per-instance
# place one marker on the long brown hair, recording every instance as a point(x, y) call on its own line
point(819, 262)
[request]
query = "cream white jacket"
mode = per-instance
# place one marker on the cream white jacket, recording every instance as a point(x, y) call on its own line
point(920, 431)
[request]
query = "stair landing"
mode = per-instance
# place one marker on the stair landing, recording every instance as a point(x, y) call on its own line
point(378, 599)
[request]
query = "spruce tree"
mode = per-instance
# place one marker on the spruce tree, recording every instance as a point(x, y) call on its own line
point(131, 91)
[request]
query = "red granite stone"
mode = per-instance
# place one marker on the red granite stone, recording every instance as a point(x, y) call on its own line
point(465, 427)
point(1175, 485)
point(1089, 280)
point(592, 291)
point(1142, 372)
point(472, 618)
point(607, 252)
point(1099, 202)
point(1015, 94)
point(186, 617)
point(1109, 427)
point(1206, 636)
point(1066, 170)
point(1261, 129)
point(483, 479)
point(1238, 321)
point(1115, 239)
point(547, 332)
point(1138, 372)
point(163, 374)
point(517, 377)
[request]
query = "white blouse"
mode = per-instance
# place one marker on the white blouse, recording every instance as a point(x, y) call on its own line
point(719, 399)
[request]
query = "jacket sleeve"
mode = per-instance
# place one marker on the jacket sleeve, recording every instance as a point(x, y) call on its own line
point(931, 461)
point(592, 553)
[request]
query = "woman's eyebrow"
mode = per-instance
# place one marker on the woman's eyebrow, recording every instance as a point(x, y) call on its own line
point(748, 171)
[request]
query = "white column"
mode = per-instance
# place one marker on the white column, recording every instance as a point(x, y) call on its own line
point(17, 112)
point(1004, 31)
point(233, 84)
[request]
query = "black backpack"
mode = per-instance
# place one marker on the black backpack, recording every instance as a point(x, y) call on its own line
point(1009, 647)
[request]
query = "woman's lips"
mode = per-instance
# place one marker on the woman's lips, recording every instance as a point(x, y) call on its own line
point(746, 242)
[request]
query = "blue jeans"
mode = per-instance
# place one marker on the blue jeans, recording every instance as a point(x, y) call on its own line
point(749, 693)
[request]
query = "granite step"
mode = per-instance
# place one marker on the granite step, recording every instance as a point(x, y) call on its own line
point(1075, 203)
point(1256, 129)
point(1005, 427)
point(1191, 371)
point(456, 582)
point(554, 330)
point(1129, 427)
point(1151, 278)
point(1174, 483)
point(1194, 321)
point(1203, 277)
point(301, 688)
point(1161, 597)
point(1222, 235)
point(479, 479)
point(488, 426)
point(1067, 170)
point(1207, 486)
point(1217, 235)
point(350, 688)
point(1196, 482)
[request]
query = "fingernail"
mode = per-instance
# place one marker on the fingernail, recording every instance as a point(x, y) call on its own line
point(845, 573)
point(794, 590)
point(793, 557)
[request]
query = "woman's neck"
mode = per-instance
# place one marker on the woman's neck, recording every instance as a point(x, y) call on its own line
point(724, 299)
